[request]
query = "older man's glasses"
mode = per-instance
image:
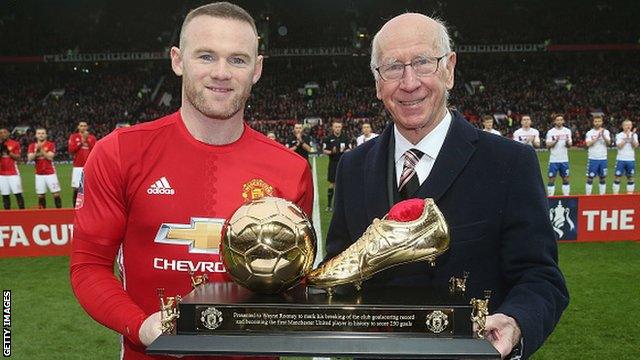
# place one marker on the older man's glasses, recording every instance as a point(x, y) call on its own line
point(422, 65)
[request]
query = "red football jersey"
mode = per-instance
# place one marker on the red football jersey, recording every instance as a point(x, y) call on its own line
point(43, 166)
point(151, 193)
point(7, 164)
point(79, 150)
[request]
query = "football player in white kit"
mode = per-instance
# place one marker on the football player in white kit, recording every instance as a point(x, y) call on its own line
point(526, 134)
point(597, 141)
point(558, 140)
point(10, 181)
point(487, 125)
point(626, 142)
point(367, 134)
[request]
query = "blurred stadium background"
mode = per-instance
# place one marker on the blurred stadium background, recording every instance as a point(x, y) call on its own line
point(514, 57)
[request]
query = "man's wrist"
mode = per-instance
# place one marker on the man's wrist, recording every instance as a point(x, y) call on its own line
point(132, 329)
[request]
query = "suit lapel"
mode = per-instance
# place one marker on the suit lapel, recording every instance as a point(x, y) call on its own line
point(457, 149)
point(375, 176)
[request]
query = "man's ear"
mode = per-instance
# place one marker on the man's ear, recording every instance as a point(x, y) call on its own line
point(257, 70)
point(451, 66)
point(176, 60)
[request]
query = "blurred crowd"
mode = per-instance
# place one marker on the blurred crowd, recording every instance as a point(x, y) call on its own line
point(318, 90)
point(31, 27)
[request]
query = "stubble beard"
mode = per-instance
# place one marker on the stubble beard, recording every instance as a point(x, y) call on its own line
point(197, 98)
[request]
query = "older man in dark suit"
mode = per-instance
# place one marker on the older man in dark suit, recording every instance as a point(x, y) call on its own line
point(488, 188)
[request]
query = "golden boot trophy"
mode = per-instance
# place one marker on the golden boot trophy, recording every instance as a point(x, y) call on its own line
point(386, 243)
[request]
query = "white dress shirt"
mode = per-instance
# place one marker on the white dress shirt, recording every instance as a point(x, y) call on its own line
point(430, 145)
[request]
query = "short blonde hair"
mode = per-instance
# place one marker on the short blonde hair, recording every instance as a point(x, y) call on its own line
point(224, 10)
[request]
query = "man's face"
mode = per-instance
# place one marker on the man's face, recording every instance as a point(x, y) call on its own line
point(218, 64)
point(337, 128)
point(525, 122)
point(41, 135)
point(366, 129)
point(559, 121)
point(488, 124)
point(297, 129)
point(597, 123)
point(627, 126)
point(83, 127)
point(4, 134)
point(415, 102)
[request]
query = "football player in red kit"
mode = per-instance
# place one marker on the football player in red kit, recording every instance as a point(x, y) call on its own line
point(42, 152)
point(160, 209)
point(10, 181)
point(80, 145)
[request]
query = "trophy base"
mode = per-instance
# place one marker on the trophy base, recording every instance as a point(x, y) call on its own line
point(388, 346)
point(225, 319)
point(227, 308)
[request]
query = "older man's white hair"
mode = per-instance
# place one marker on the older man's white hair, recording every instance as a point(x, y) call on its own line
point(442, 43)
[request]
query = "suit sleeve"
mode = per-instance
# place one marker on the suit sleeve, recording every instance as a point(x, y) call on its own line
point(338, 237)
point(538, 294)
point(99, 228)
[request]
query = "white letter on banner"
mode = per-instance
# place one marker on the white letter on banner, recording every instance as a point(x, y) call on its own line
point(4, 234)
point(18, 236)
point(591, 215)
point(64, 234)
point(613, 220)
point(36, 235)
point(626, 219)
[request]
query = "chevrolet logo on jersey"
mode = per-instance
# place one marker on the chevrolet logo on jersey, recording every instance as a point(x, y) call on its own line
point(203, 235)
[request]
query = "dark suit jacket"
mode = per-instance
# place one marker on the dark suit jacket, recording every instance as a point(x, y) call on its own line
point(491, 194)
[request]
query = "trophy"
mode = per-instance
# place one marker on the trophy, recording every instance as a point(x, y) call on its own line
point(386, 243)
point(269, 246)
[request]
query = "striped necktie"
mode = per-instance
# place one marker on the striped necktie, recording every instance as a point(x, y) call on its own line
point(409, 182)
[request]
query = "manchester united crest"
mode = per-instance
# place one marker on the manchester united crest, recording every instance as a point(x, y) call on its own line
point(211, 318)
point(437, 321)
point(256, 189)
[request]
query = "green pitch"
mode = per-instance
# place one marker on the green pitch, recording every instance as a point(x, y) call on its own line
point(600, 323)
point(29, 189)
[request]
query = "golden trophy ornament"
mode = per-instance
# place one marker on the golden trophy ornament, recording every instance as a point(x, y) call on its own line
point(269, 244)
point(386, 243)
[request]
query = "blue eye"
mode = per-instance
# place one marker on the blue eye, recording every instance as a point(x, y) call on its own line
point(421, 61)
point(395, 67)
point(238, 61)
point(206, 57)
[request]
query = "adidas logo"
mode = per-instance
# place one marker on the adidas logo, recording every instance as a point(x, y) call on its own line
point(161, 187)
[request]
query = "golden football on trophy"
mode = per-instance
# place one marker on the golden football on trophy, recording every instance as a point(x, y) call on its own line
point(269, 244)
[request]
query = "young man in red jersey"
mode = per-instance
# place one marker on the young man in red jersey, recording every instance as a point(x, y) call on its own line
point(10, 181)
point(42, 152)
point(137, 190)
point(80, 145)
